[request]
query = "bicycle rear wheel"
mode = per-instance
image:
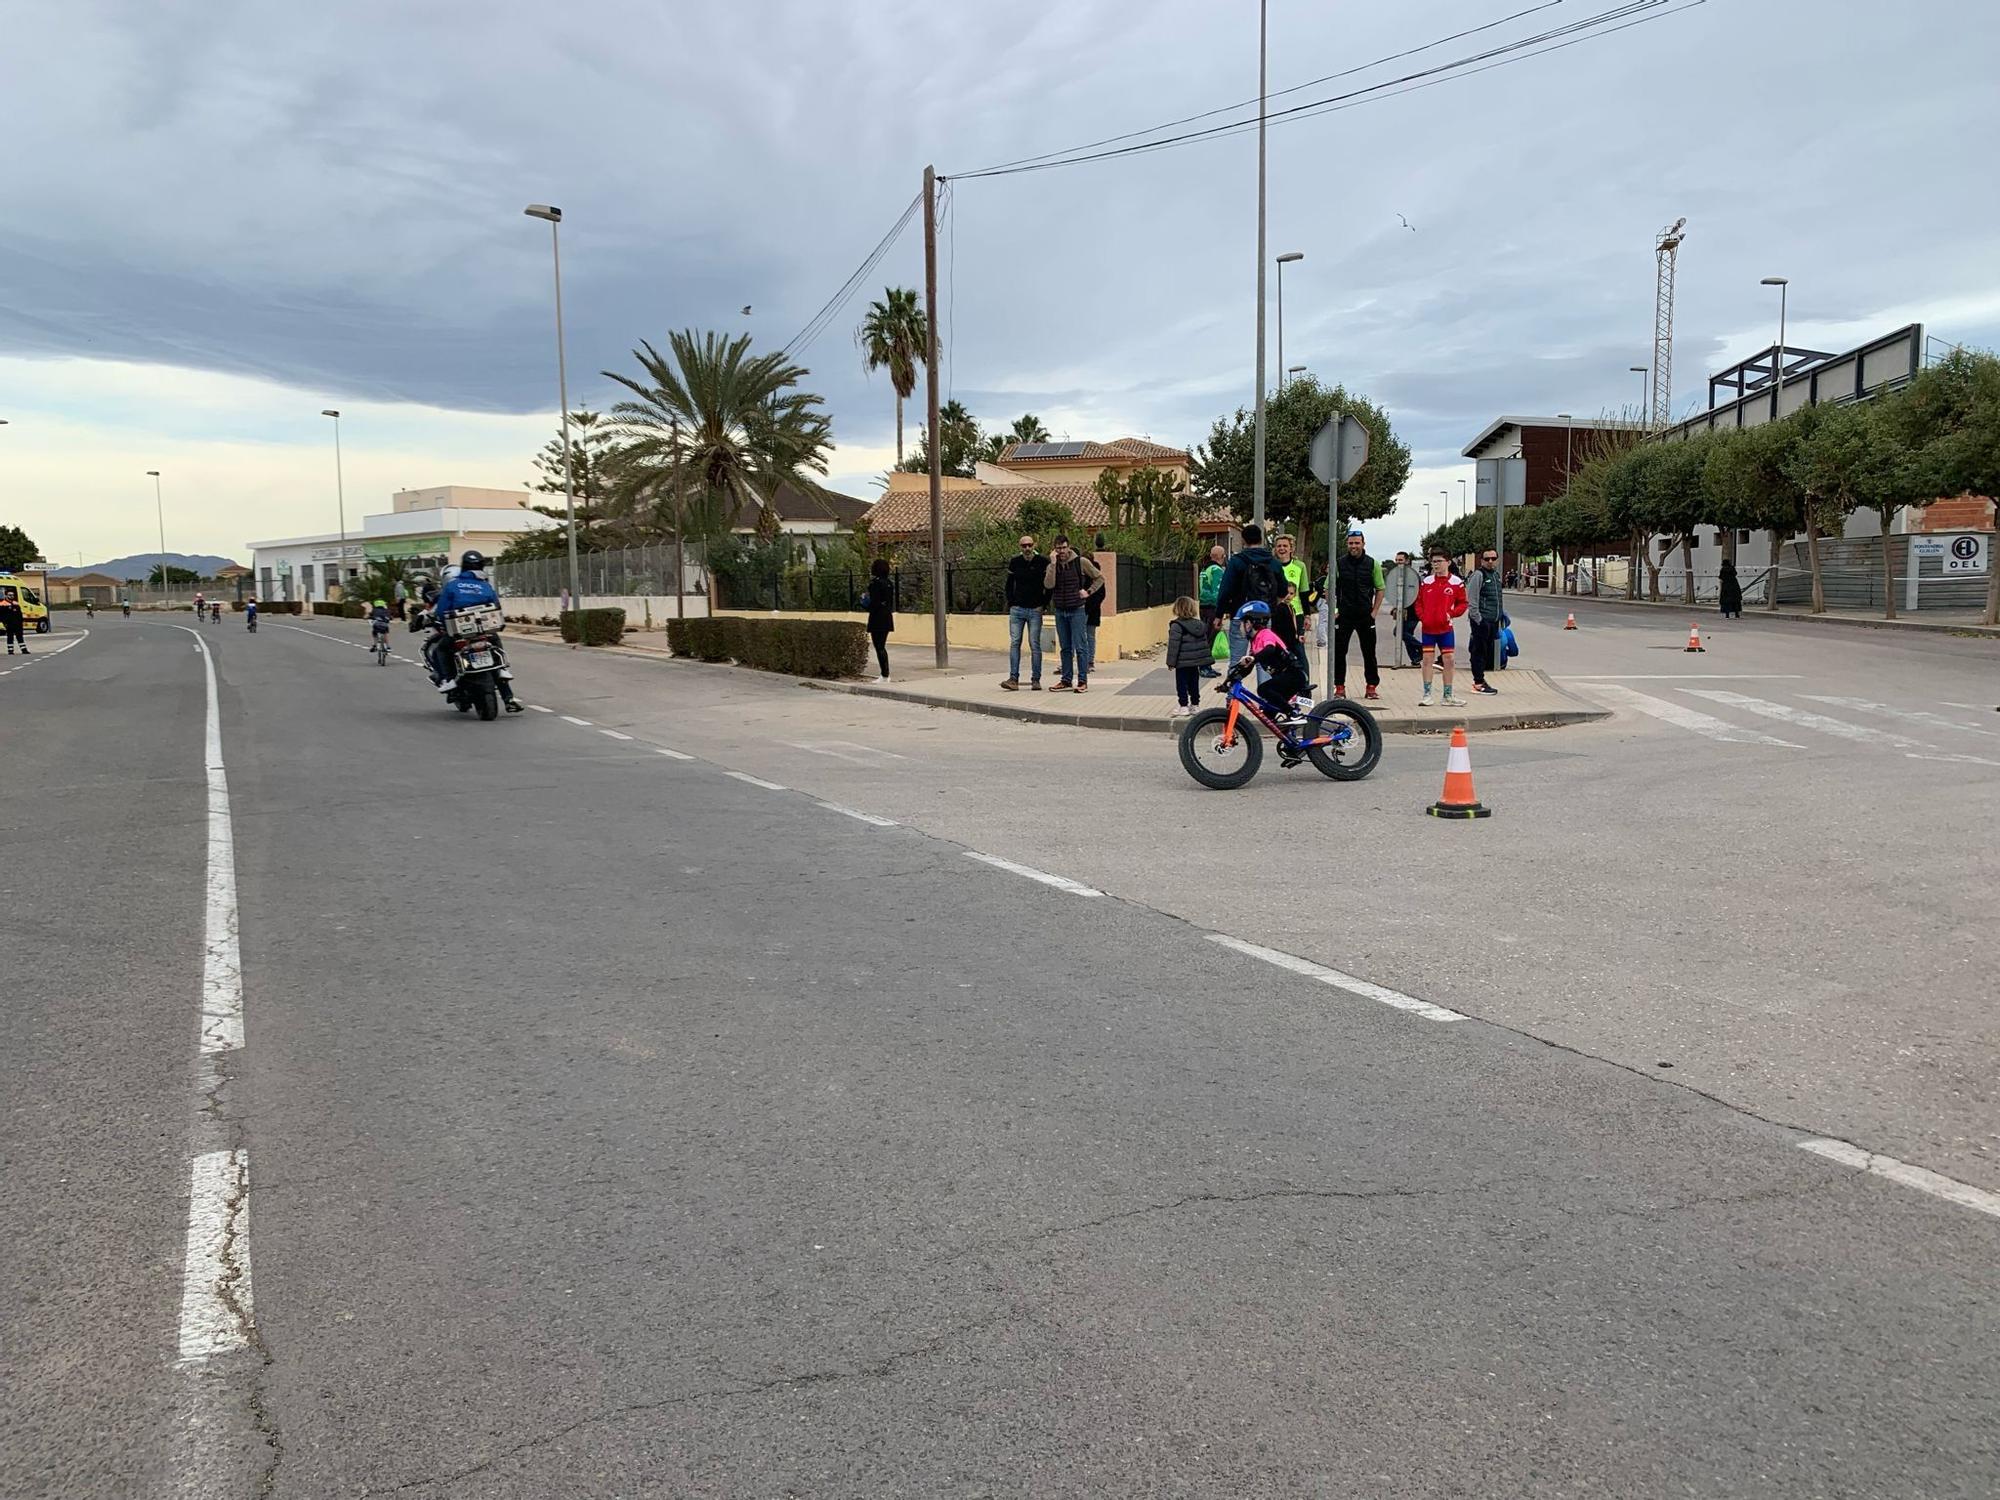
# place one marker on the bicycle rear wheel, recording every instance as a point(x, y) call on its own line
point(1357, 746)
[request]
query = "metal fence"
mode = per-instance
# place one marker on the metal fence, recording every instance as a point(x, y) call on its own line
point(622, 571)
point(971, 588)
point(1147, 585)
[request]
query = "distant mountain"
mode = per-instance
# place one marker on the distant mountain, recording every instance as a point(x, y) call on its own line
point(141, 564)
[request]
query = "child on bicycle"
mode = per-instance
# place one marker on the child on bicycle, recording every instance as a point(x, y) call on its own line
point(378, 623)
point(1285, 681)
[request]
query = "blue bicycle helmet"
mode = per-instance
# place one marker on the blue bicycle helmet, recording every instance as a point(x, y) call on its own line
point(1256, 609)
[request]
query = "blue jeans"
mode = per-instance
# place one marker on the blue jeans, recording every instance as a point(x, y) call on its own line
point(1073, 637)
point(1237, 645)
point(1020, 618)
point(1087, 656)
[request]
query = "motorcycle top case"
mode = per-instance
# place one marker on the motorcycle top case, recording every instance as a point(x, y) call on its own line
point(475, 619)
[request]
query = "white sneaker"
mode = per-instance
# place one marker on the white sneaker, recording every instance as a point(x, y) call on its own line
point(1181, 711)
point(445, 687)
point(881, 679)
point(1425, 701)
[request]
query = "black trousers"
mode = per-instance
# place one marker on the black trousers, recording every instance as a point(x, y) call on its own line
point(879, 634)
point(15, 632)
point(1343, 632)
point(1485, 634)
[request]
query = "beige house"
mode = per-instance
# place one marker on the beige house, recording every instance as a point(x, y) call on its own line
point(427, 528)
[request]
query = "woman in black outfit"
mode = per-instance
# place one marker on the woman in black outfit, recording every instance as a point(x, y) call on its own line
point(1731, 599)
point(881, 600)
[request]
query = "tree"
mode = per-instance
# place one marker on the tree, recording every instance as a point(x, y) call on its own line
point(1676, 504)
point(1748, 486)
point(894, 336)
point(959, 450)
point(1815, 507)
point(175, 576)
point(730, 426)
point(1027, 428)
point(1157, 506)
point(1856, 459)
point(1043, 518)
point(16, 549)
point(1950, 422)
point(1223, 467)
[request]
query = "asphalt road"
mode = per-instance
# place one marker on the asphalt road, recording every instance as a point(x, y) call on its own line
point(618, 1126)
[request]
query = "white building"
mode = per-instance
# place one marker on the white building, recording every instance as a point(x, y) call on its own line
point(427, 528)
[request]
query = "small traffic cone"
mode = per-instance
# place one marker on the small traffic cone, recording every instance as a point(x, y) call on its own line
point(1459, 800)
point(1694, 639)
point(1570, 623)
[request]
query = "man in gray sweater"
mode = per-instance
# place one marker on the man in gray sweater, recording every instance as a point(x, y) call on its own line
point(1482, 599)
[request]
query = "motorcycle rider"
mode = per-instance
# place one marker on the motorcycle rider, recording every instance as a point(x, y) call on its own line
point(462, 590)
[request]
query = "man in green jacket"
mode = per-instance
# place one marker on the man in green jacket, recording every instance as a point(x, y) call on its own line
point(1209, 589)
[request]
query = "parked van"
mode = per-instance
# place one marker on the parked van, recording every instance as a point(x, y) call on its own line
point(29, 591)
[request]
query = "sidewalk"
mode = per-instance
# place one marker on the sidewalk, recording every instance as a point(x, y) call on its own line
point(1139, 695)
point(1933, 621)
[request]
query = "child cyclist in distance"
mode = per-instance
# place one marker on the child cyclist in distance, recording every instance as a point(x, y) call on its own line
point(1284, 681)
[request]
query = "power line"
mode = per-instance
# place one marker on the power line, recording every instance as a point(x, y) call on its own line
point(1252, 103)
point(819, 322)
point(1636, 12)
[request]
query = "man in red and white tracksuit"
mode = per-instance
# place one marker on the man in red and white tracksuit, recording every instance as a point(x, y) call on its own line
point(1440, 600)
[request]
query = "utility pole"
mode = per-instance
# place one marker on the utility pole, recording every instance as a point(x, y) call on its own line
point(680, 526)
point(1257, 443)
point(931, 443)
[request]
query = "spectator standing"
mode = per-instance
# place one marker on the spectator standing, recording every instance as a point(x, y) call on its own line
point(1253, 573)
point(1731, 598)
point(1295, 578)
point(1027, 597)
point(1093, 616)
point(1440, 600)
point(1209, 588)
point(1401, 582)
point(1482, 593)
point(1357, 599)
point(1070, 578)
point(1188, 654)
point(13, 622)
point(881, 602)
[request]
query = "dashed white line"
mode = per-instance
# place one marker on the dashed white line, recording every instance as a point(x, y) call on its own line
point(670, 754)
point(539, 709)
point(1918, 716)
point(573, 719)
point(1838, 728)
point(612, 734)
point(1923, 1179)
point(1682, 676)
point(1310, 970)
point(858, 815)
point(1683, 717)
point(769, 786)
point(1060, 882)
point(1956, 760)
point(29, 660)
point(215, 1280)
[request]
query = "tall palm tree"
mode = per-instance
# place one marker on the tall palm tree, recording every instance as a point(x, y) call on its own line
point(1028, 428)
point(894, 336)
point(744, 428)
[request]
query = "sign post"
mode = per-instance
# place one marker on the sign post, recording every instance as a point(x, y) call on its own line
point(1339, 449)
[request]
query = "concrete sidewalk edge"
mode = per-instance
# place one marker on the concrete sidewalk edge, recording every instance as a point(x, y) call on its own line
point(1757, 612)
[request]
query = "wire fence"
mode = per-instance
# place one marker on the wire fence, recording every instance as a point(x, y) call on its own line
point(970, 588)
point(625, 571)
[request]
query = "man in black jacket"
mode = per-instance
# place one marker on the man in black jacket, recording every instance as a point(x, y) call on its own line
point(1027, 596)
point(1252, 573)
point(1357, 599)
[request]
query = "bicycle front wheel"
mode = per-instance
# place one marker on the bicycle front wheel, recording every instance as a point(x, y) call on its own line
point(1214, 764)
point(1356, 738)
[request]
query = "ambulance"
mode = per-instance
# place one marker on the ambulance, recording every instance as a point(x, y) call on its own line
point(29, 588)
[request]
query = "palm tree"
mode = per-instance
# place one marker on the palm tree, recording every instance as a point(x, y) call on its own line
point(894, 335)
point(743, 429)
point(1027, 428)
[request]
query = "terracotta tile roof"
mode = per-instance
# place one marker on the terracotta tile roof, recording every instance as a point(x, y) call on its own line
point(907, 513)
point(807, 503)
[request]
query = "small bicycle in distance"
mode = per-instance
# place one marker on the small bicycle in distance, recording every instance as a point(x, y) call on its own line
point(1221, 747)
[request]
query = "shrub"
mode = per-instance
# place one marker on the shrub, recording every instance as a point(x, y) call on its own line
point(236, 606)
point(802, 648)
point(593, 627)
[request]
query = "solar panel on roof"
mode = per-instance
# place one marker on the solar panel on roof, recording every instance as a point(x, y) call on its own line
point(1069, 450)
point(1030, 450)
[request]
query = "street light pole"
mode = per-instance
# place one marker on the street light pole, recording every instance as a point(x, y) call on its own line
point(1645, 393)
point(1288, 256)
point(554, 218)
point(340, 498)
point(1257, 443)
point(1464, 504)
point(160, 509)
point(1777, 393)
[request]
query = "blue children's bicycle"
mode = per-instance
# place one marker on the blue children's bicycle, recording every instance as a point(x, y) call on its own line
point(1221, 747)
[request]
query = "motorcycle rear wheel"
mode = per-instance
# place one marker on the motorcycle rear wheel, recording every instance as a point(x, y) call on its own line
point(486, 698)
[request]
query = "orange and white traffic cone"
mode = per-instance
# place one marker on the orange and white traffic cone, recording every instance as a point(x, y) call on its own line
point(1570, 623)
point(1694, 639)
point(1459, 800)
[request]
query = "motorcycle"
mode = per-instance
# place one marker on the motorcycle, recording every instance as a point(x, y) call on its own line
point(472, 636)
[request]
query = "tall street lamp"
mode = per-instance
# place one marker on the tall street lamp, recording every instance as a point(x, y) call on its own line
point(1464, 504)
point(1283, 260)
point(554, 218)
point(1645, 393)
point(340, 498)
point(1569, 441)
point(160, 509)
point(1296, 370)
point(1257, 442)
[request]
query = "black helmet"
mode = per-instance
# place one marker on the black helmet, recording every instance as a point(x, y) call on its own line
point(472, 562)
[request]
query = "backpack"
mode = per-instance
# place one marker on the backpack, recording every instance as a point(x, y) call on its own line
point(1263, 580)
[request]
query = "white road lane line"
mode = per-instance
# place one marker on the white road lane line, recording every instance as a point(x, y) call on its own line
point(1922, 718)
point(1923, 1179)
point(572, 719)
point(1361, 987)
point(769, 786)
point(1682, 676)
point(215, 1284)
point(29, 659)
point(1956, 760)
point(670, 754)
point(215, 1289)
point(1785, 714)
point(539, 709)
point(847, 750)
point(1060, 882)
point(612, 734)
point(1681, 716)
point(859, 816)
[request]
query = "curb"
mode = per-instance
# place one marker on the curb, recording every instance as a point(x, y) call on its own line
point(1128, 723)
point(1707, 606)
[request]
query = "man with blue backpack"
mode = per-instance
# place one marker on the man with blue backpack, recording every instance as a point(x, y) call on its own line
point(1252, 574)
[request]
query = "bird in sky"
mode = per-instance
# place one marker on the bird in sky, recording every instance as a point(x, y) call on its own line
point(746, 309)
point(1407, 224)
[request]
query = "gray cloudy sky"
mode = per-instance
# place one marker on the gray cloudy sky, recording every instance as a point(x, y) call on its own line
point(233, 214)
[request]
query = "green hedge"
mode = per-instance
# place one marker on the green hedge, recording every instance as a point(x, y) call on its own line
point(593, 627)
point(802, 648)
point(339, 609)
